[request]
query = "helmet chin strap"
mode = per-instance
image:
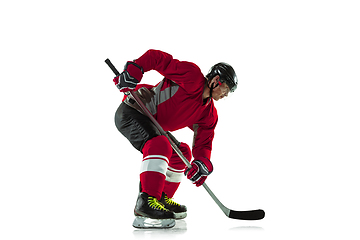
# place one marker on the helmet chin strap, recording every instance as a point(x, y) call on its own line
point(212, 88)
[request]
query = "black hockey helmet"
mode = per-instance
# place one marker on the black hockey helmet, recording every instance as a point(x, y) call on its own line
point(226, 73)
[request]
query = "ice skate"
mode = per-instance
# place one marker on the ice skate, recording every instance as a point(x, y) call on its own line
point(180, 211)
point(150, 213)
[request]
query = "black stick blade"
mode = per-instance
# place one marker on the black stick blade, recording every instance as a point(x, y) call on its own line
point(247, 215)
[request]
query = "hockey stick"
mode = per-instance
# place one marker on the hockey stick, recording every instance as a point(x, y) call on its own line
point(241, 215)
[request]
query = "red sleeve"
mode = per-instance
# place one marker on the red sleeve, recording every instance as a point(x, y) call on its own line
point(204, 135)
point(186, 74)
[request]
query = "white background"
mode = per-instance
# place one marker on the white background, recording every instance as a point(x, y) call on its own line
point(287, 140)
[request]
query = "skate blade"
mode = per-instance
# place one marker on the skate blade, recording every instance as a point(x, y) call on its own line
point(181, 215)
point(143, 222)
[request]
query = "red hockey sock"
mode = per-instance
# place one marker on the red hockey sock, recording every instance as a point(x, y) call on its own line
point(170, 188)
point(156, 154)
point(175, 170)
point(152, 183)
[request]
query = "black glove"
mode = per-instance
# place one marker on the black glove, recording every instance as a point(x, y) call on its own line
point(129, 78)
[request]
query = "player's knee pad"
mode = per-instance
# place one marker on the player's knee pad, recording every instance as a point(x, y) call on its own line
point(157, 146)
point(175, 160)
point(185, 149)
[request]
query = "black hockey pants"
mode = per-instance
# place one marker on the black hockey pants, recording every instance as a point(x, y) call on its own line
point(136, 127)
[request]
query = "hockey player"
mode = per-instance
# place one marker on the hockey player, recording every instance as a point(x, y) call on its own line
point(184, 98)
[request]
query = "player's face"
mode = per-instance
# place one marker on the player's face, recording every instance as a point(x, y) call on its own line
point(220, 92)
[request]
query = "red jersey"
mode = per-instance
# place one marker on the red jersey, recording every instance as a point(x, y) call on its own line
point(178, 99)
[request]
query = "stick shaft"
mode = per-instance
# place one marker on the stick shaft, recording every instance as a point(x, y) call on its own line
point(107, 61)
point(149, 115)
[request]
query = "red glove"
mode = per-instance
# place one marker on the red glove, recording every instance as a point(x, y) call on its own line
point(129, 78)
point(199, 171)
